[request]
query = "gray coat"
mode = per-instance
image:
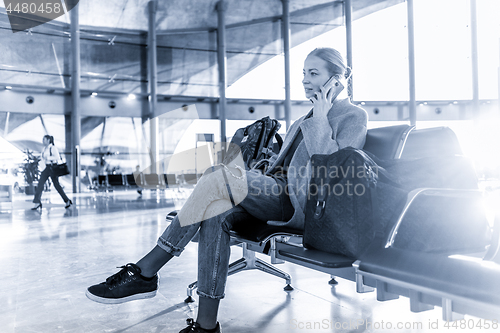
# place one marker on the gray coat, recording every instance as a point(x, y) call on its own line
point(346, 127)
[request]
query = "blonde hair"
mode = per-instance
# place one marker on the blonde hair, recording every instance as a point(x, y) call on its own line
point(334, 61)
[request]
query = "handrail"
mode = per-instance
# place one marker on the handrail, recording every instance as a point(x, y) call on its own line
point(412, 197)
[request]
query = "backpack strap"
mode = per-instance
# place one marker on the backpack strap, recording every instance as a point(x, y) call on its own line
point(279, 139)
point(228, 187)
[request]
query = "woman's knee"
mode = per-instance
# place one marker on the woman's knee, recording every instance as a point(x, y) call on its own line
point(211, 178)
point(226, 218)
point(217, 208)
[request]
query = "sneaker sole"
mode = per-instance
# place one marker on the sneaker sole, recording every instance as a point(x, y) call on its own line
point(103, 300)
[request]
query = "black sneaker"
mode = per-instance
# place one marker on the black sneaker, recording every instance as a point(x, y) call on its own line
point(194, 327)
point(126, 285)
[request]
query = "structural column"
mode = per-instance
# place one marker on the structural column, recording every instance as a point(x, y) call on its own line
point(474, 60)
point(348, 38)
point(412, 104)
point(6, 128)
point(152, 60)
point(221, 60)
point(286, 50)
point(75, 99)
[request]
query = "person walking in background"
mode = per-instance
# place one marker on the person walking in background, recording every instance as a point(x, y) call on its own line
point(50, 157)
point(137, 176)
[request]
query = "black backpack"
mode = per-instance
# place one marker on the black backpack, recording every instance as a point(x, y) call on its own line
point(254, 141)
point(354, 198)
point(349, 201)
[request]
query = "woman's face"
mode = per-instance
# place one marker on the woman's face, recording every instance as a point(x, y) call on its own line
point(45, 141)
point(315, 75)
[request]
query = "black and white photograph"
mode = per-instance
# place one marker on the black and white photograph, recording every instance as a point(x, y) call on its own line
point(241, 166)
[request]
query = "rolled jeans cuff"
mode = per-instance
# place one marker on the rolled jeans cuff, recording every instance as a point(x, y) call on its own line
point(169, 247)
point(202, 294)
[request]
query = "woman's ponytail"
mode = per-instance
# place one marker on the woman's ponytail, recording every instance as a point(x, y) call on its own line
point(50, 138)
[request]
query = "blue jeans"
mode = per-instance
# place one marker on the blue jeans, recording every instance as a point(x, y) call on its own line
point(264, 201)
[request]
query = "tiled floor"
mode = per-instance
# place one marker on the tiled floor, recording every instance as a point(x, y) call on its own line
point(49, 258)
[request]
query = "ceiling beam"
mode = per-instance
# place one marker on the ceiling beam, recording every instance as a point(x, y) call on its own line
point(137, 32)
point(14, 101)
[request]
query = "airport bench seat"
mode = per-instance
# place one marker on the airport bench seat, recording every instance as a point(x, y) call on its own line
point(110, 182)
point(115, 180)
point(378, 268)
point(461, 280)
point(153, 181)
point(130, 180)
point(458, 284)
point(136, 181)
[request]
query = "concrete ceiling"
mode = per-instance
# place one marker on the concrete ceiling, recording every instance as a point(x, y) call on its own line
point(114, 52)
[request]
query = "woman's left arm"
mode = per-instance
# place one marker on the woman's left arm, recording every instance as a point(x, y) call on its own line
point(321, 138)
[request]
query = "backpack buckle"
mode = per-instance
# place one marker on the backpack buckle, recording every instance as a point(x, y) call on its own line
point(320, 207)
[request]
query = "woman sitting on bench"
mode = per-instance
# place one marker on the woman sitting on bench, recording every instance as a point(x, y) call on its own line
point(278, 196)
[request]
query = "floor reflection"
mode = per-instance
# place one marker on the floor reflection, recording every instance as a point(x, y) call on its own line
point(50, 256)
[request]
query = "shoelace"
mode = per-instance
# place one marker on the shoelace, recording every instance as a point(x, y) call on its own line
point(121, 276)
point(191, 325)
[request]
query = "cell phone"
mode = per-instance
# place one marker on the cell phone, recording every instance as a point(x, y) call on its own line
point(338, 87)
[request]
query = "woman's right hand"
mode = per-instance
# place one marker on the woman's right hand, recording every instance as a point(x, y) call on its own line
point(322, 99)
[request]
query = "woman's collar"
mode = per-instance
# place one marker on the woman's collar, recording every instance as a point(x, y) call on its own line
point(338, 101)
point(335, 102)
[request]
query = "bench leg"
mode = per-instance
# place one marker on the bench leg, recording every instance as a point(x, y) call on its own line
point(252, 262)
point(237, 266)
point(190, 290)
point(268, 268)
point(448, 314)
point(360, 285)
point(273, 253)
point(415, 302)
point(383, 294)
point(247, 262)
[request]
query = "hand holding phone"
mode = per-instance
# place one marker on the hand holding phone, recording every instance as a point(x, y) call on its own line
point(324, 98)
point(332, 88)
